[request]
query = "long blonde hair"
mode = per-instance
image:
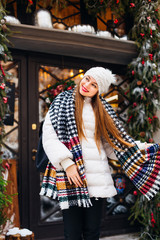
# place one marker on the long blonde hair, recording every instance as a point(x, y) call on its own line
point(104, 125)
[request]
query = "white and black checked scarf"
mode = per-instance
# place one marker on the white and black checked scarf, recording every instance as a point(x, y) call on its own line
point(143, 171)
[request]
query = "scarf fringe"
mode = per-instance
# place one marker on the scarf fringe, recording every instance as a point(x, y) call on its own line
point(151, 185)
point(85, 203)
point(48, 193)
point(154, 190)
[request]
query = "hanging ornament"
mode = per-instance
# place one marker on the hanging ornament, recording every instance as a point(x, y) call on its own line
point(135, 193)
point(2, 86)
point(126, 92)
point(158, 204)
point(158, 22)
point(151, 32)
point(148, 19)
point(151, 56)
point(30, 2)
point(7, 166)
point(146, 89)
point(150, 140)
point(142, 134)
point(3, 73)
point(133, 72)
point(139, 83)
point(3, 21)
point(117, 1)
point(152, 220)
point(116, 21)
point(134, 104)
point(143, 62)
point(154, 79)
point(155, 117)
point(132, 5)
point(69, 88)
point(129, 119)
point(155, 45)
point(142, 35)
point(150, 120)
point(5, 99)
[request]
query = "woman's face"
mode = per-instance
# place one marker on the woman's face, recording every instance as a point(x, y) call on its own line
point(88, 87)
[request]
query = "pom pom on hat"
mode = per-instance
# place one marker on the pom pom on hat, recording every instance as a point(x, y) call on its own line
point(103, 77)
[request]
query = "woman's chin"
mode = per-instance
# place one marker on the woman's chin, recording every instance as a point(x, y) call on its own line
point(84, 94)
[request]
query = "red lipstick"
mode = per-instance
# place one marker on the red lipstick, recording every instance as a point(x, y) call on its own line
point(84, 89)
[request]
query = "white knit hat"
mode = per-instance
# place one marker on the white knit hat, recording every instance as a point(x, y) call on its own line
point(103, 77)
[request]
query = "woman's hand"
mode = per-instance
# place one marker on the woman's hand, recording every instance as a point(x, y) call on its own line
point(73, 176)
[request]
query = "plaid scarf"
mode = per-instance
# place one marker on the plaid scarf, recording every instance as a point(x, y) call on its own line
point(144, 171)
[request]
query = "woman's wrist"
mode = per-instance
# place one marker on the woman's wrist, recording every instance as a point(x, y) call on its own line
point(66, 163)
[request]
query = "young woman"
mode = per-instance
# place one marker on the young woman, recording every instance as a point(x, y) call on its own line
point(80, 132)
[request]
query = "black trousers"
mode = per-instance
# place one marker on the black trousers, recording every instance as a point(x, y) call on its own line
point(83, 223)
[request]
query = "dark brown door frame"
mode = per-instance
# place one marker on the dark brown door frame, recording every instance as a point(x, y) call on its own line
point(23, 173)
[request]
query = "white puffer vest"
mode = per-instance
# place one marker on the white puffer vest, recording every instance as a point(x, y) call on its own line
point(99, 179)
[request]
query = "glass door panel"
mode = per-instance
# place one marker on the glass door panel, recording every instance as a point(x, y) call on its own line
point(10, 147)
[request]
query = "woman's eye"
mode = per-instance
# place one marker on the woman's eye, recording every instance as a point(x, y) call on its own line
point(94, 85)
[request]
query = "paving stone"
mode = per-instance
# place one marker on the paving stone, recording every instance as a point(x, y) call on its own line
point(122, 237)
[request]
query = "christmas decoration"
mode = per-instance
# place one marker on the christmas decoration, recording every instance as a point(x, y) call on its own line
point(144, 86)
point(4, 56)
point(43, 19)
point(147, 213)
point(11, 19)
point(54, 90)
point(144, 89)
point(82, 29)
point(135, 193)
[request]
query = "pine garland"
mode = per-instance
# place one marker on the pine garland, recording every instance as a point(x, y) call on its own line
point(5, 55)
point(143, 92)
point(144, 73)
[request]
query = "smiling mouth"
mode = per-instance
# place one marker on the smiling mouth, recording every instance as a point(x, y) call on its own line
point(84, 89)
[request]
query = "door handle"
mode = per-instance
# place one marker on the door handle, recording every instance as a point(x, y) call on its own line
point(34, 151)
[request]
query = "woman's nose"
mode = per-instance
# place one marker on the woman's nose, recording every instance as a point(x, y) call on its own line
point(87, 84)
